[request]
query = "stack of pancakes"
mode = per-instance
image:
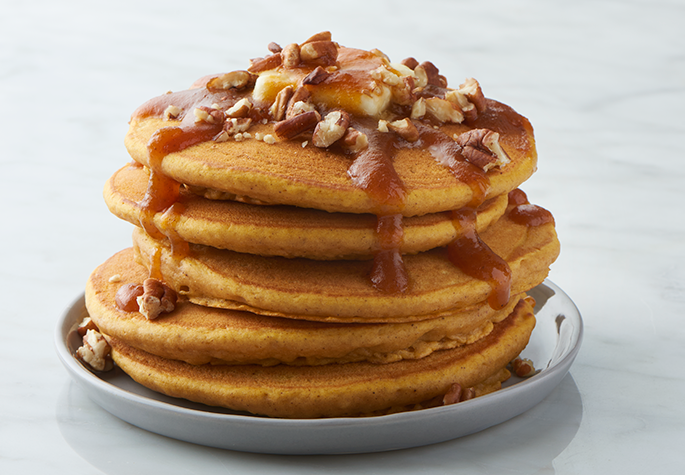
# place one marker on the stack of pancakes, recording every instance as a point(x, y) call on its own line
point(325, 234)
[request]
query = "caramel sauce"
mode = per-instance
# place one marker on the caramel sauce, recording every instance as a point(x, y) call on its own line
point(530, 215)
point(186, 100)
point(373, 171)
point(470, 254)
point(179, 247)
point(163, 191)
point(155, 271)
point(517, 197)
point(526, 214)
point(504, 120)
point(389, 274)
point(448, 152)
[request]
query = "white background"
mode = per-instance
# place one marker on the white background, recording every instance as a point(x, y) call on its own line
point(603, 83)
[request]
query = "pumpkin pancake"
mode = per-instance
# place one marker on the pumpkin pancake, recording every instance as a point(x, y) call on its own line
point(334, 390)
point(283, 230)
point(201, 335)
point(311, 177)
point(341, 290)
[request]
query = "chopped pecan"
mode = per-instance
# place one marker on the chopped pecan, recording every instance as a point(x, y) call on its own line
point(460, 100)
point(405, 128)
point(403, 94)
point(386, 76)
point(523, 367)
point(331, 129)
point(126, 297)
point(322, 36)
point(481, 147)
point(221, 137)
point(317, 76)
point(234, 126)
point(234, 79)
point(420, 76)
point(410, 62)
point(280, 104)
point(172, 112)
point(301, 94)
point(418, 109)
point(208, 115)
point(294, 126)
point(433, 76)
point(323, 53)
point(443, 111)
point(456, 394)
point(95, 351)
point(85, 325)
point(354, 141)
point(257, 65)
point(471, 89)
point(380, 54)
point(470, 393)
point(240, 108)
point(274, 47)
point(157, 298)
point(297, 108)
point(291, 56)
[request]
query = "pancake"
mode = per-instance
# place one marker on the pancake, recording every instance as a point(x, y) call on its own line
point(313, 177)
point(199, 335)
point(283, 230)
point(340, 290)
point(335, 390)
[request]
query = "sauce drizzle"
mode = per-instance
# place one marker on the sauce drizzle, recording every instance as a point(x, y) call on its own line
point(372, 171)
point(470, 254)
point(468, 251)
point(526, 214)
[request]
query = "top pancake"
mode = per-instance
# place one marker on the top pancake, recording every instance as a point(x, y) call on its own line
point(309, 177)
point(391, 174)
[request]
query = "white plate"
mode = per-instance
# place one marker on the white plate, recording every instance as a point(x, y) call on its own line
point(553, 347)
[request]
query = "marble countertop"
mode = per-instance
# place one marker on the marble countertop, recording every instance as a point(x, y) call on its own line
point(603, 83)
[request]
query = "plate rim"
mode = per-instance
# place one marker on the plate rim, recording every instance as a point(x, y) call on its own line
point(313, 434)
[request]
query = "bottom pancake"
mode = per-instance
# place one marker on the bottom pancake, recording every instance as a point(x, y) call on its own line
point(335, 390)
